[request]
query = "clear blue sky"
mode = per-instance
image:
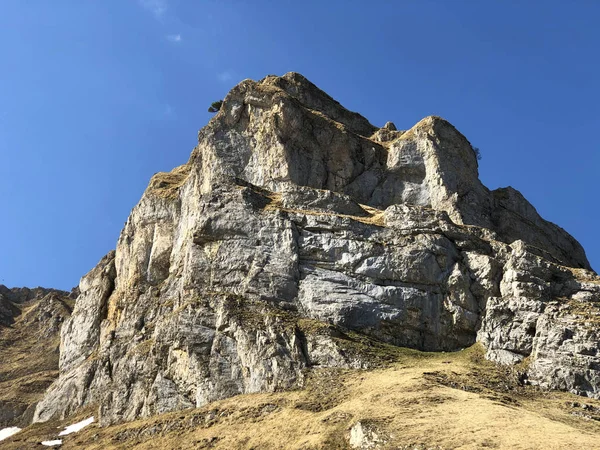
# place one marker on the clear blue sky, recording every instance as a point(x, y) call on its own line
point(96, 96)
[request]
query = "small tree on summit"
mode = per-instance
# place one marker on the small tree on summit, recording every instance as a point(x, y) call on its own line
point(215, 106)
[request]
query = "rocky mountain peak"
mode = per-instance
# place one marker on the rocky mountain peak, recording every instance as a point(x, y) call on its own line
point(284, 132)
point(298, 236)
point(311, 97)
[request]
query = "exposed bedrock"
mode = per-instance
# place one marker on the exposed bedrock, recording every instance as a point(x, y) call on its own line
point(295, 224)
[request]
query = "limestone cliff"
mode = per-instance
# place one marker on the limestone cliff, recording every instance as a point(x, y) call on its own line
point(295, 225)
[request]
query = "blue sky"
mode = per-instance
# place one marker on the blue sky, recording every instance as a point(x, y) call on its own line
point(95, 97)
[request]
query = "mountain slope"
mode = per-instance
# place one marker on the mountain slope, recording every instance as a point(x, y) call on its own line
point(417, 401)
point(30, 321)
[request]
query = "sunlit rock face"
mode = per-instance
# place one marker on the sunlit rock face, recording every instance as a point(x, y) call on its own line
point(296, 224)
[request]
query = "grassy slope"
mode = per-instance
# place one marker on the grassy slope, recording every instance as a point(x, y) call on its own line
point(452, 400)
point(29, 354)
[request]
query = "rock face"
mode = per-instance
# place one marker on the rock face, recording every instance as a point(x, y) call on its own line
point(295, 224)
point(30, 322)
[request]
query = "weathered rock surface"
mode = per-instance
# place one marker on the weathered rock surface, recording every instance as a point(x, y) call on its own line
point(364, 437)
point(30, 322)
point(295, 223)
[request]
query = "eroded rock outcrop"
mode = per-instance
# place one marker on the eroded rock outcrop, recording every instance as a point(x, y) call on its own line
point(297, 223)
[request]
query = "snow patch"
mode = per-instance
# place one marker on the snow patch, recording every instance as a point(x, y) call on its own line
point(52, 443)
point(76, 426)
point(8, 432)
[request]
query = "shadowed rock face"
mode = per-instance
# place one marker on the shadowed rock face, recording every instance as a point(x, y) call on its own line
point(296, 222)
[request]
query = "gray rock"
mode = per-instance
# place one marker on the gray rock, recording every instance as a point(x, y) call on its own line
point(364, 437)
point(295, 222)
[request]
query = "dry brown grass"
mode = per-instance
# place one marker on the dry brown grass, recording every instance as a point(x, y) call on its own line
point(585, 276)
point(587, 314)
point(167, 184)
point(447, 401)
point(29, 360)
point(374, 216)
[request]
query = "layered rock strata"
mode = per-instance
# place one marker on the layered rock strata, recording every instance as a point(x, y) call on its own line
point(296, 234)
